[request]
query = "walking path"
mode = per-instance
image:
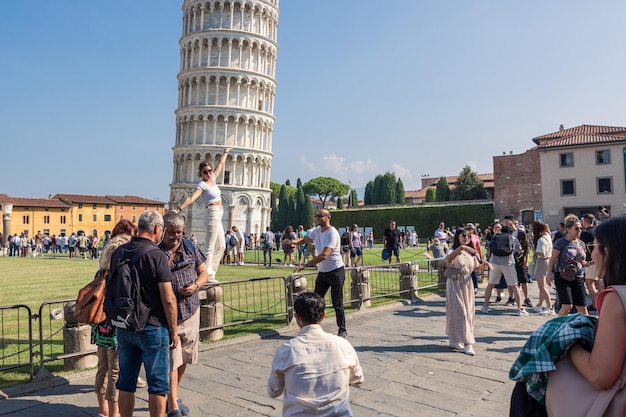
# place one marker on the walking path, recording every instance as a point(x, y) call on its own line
point(409, 369)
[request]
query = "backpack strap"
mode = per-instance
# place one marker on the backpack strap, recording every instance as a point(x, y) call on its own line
point(189, 244)
point(140, 253)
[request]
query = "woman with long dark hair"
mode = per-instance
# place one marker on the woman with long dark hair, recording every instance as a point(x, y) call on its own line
point(460, 294)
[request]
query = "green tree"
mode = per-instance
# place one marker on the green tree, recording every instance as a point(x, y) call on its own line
point(377, 189)
point(354, 198)
point(367, 197)
point(298, 183)
point(431, 195)
point(291, 211)
point(309, 212)
point(339, 203)
point(273, 213)
point(399, 192)
point(325, 188)
point(282, 215)
point(443, 190)
point(469, 186)
point(300, 210)
point(388, 189)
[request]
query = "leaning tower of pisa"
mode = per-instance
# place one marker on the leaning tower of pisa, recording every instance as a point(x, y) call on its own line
point(226, 90)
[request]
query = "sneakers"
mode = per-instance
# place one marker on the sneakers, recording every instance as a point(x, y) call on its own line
point(545, 311)
point(469, 350)
point(510, 302)
point(455, 346)
point(592, 308)
point(538, 309)
point(527, 303)
point(141, 383)
point(175, 413)
point(342, 333)
point(498, 299)
point(184, 410)
point(521, 312)
point(485, 310)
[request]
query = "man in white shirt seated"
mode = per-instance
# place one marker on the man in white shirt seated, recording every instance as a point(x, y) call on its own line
point(314, 369)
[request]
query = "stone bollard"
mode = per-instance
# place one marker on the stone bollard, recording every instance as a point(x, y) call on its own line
point(296, 285)
point(360, 288)
point(212, 312)
point(77, 339)
point(408, 278)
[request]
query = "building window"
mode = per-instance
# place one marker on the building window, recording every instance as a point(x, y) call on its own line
point(107, 206)
point(121, 206)
point(134, 219)
point(605, 185)
point(80, 217)
point(145, 208)
point(134, 207)
point(226, 177)
point(62, 220)
point(568, 187)
point(46, 219)
point(107, 217)
point(95, 206)
point(25, 219)
point(80, 205)
point(46, 209)
point(567, 159)
point(62, 210)
point(95, 217)
point(603, 157)
point(46, 232)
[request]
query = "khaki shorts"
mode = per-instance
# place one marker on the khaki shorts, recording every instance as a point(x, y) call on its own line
point(187, 349)
point(510, 275)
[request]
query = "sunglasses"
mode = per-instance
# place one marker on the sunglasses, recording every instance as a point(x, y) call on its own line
point(319, 215)
point(593, 245)
point(207, 171)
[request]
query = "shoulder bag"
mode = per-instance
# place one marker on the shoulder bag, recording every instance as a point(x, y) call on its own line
point(569, 394)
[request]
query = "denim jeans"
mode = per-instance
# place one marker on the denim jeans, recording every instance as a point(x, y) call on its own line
point(151, 346)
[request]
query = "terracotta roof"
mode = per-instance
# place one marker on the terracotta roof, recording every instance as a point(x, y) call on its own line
point(80, 198)
point(581, 139)
point(133, 199)
point(486, 178)
point(582, 129)
point(580, 136)
point(33, 202)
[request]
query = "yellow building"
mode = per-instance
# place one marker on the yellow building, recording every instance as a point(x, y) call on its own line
point(71, 213)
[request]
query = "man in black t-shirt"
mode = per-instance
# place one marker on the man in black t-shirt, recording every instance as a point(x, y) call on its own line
point(391, 241)
point(591, 277)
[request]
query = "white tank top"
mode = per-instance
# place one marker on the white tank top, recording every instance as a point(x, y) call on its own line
point(210, 193)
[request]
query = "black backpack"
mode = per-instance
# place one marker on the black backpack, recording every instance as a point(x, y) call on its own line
point(345, 239)
point(123, 303)
point(502, 244)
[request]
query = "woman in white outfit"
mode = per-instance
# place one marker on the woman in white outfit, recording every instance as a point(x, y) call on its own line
point(212, 196)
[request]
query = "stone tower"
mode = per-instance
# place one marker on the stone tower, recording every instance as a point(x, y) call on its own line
point(226, 90)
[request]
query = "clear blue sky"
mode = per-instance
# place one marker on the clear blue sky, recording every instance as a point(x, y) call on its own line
point(88, 89)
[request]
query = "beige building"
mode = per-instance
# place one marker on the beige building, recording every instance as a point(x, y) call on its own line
point(582, 168)
point(71, 213)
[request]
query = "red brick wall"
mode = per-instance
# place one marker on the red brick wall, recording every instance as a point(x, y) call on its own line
point(517, 183)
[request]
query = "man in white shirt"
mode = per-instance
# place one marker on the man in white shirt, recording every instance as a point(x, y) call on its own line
point(329, 264)
point(315, 369)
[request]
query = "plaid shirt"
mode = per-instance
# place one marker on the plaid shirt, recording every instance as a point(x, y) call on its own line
point(547, 345)
point(186, 259)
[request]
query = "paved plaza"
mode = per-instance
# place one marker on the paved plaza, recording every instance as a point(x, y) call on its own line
point(409, 369)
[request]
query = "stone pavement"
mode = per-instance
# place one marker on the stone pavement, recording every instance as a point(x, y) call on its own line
point(409, 369)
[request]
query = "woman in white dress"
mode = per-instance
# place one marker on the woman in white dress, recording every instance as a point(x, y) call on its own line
point(542, 242)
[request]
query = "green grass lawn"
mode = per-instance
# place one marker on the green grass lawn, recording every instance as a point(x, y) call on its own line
point(33, 281)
